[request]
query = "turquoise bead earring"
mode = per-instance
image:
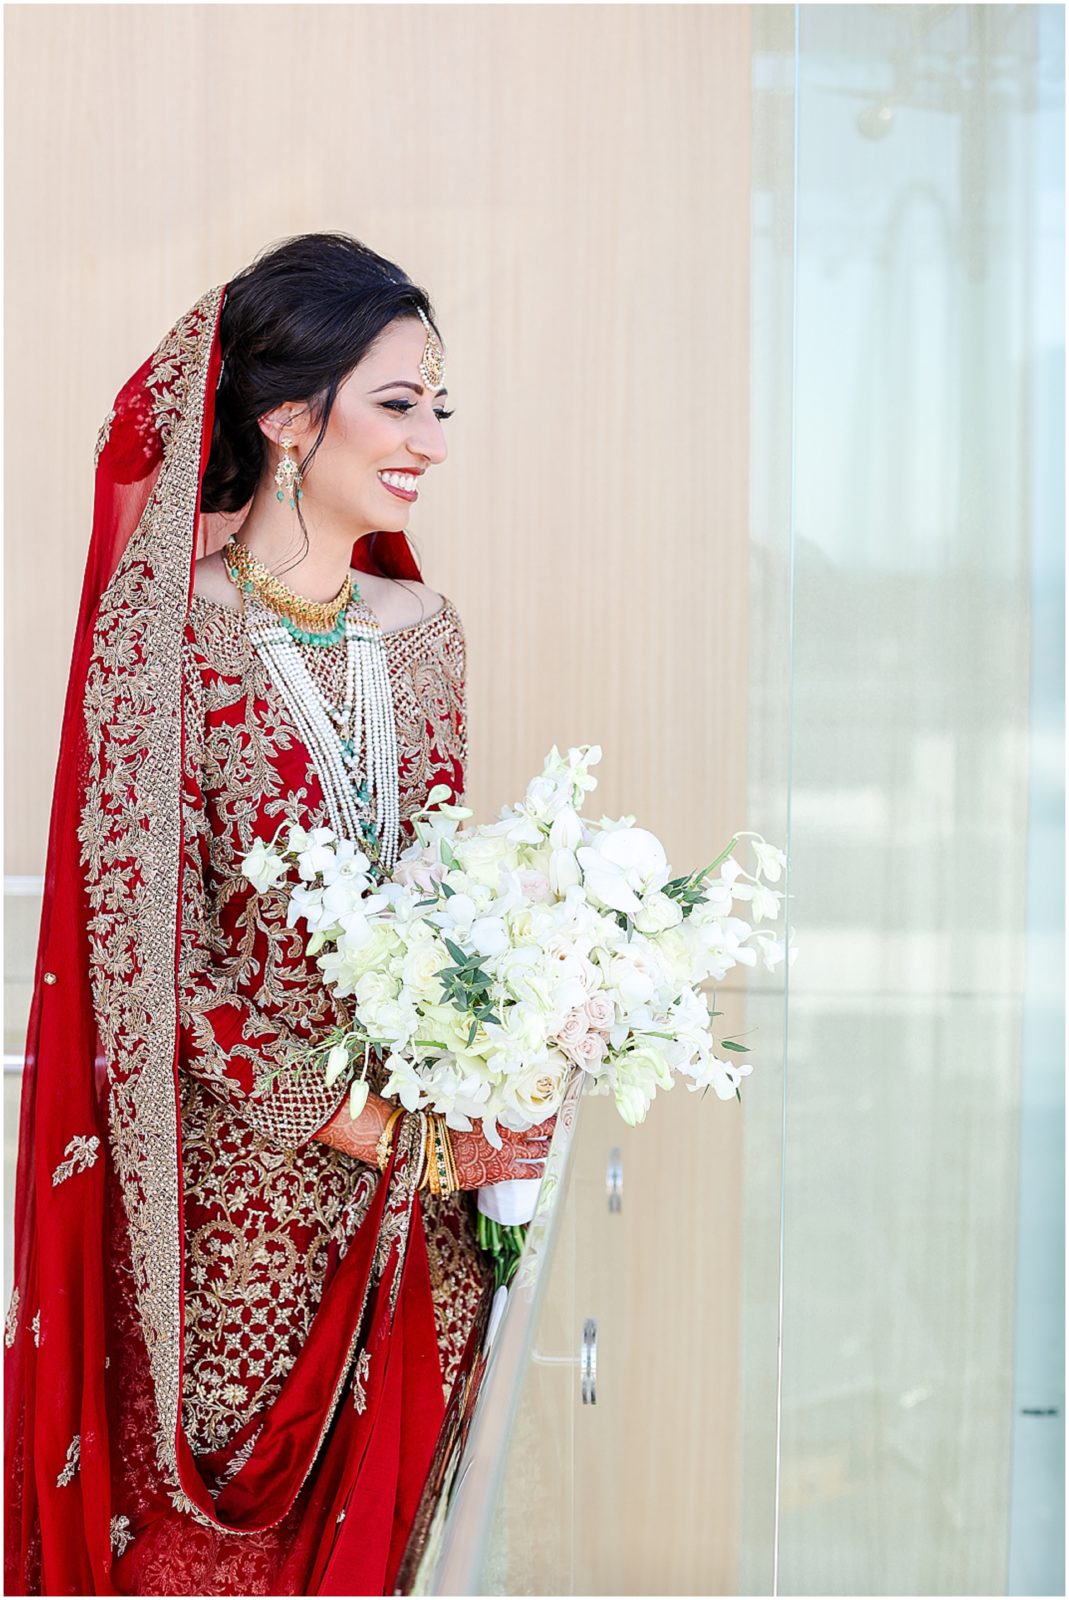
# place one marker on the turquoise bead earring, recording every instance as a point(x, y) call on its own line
point(288, 476)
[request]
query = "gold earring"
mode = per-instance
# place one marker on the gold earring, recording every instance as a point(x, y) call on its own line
point(288, 476)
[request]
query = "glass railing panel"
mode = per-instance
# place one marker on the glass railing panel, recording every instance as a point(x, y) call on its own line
point(504, 1522)
point(917, 465)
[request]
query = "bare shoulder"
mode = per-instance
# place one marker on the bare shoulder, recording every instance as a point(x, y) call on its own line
point(397, 602)
point(210, 580)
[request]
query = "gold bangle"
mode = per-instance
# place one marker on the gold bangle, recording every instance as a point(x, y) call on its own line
point(437, 1161)
point(421, 1181)
point(450, 1160)
point(428, 1142)
point(422, 1165)
point(382, 1149)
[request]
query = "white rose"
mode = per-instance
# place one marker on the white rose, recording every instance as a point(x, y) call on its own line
point(659, 911)
point(575, 1024)
point(545, 795)
point(374, 986)
point(419, 874)
point(588, 1051)
point(420, 966)
point(522, 1034)
point(392, 1020)
point(344, 967)
point(481, 857)
point(600, 1011)
point(531, 1096)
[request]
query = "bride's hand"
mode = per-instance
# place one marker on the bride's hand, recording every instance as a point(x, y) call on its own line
point(522, 1155)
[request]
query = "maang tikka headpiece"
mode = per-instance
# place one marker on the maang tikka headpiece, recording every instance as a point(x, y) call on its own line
point(432, 361)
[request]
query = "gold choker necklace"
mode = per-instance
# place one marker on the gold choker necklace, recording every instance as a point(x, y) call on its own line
point(316, 616)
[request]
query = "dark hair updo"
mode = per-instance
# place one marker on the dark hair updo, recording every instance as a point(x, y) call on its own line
point(295, 323)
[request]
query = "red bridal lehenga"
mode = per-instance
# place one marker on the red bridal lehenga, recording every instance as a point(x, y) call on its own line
point(230, 1346)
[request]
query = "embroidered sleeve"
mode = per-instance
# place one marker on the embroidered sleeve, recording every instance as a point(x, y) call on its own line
point(461, 714)
point(227, 1039)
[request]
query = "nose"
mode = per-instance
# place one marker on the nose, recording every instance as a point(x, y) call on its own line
point(427, 438)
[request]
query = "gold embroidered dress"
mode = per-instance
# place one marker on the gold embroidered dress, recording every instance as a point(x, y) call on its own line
point(267, 1207)
point(218, 1378)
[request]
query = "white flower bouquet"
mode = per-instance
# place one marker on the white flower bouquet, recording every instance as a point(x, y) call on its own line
point(498, 960)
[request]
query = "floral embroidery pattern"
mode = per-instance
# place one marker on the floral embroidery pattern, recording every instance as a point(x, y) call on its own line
point(36, 1328)
point(363, 1362)
point(81, 1152)
point(239, 1460)
point(103, 435)
point(160, 843)
point(130, 832)
point(11, 1321)
point(74, 1456)
point(120, 1534)
point(267, 1208)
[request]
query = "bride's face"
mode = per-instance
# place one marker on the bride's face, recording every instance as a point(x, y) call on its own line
point(383, 421)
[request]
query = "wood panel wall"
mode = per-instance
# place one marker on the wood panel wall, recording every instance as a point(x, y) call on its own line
point(572, 185)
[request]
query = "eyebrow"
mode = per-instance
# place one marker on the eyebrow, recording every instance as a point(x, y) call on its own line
point(400, 383)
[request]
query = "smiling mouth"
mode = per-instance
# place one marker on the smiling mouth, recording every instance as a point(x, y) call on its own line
point(402, 484)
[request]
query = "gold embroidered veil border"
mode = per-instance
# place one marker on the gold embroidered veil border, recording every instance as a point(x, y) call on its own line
point(131, 849)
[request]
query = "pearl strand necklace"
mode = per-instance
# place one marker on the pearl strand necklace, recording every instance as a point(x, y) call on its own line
point(342, 737)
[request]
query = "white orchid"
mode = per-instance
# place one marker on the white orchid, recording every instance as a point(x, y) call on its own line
point(337, 1061)
point(263, 866)
point(317, 855)
point(564, 872)
point(306, 905)
point(501, 959)
point(566, 832)
point(770, 860)
point(621, 865)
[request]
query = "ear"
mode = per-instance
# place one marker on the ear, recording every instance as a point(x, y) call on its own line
point(286, 421)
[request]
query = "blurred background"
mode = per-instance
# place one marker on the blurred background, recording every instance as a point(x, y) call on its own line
point(754, 332)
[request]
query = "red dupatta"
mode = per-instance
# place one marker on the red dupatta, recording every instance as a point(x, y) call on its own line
point(113, 879)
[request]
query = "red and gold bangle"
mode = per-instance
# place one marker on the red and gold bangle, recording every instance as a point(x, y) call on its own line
point(382, 1149)
point(443, 1178)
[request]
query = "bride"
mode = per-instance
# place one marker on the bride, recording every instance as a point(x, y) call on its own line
point(239, 1312)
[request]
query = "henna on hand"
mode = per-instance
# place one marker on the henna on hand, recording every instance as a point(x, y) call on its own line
point(478, 1163)
point(357, 1136)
